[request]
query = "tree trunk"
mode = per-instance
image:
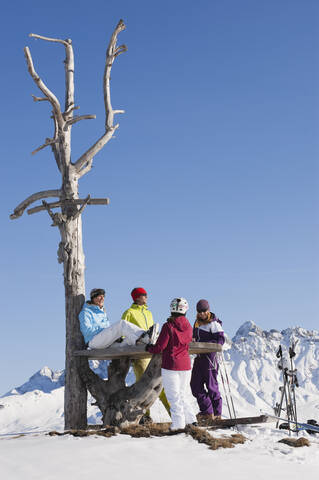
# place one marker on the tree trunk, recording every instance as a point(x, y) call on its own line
point(75, 390)
point(71, 254)
point(128, 404)
point(121, 405)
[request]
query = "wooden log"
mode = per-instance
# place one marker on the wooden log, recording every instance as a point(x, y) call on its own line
point(138, 351)
point(231, 422)
point(77, 201)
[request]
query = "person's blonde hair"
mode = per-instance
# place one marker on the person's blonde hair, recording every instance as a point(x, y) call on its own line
point(202, 321)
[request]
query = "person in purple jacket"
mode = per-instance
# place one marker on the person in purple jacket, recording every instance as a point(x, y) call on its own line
point(204, 384)
point(173, 343)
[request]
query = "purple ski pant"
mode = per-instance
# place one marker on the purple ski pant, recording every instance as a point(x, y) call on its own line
point(204, 386)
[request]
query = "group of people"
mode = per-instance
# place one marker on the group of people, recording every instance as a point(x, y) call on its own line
point(137, 326)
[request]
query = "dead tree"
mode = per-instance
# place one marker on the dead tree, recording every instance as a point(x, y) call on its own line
point(68, 217)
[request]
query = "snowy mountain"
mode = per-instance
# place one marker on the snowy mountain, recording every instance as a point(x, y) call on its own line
point(254, 374)
point(44, 380)
point(249, 370)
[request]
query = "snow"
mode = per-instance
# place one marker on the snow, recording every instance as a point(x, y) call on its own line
point(28, 412)
point(37, 456)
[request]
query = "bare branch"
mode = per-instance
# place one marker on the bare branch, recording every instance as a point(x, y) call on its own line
point(44, 89)
point(69, 77)
point(84, 163)
point(48, 141)
point(78, 201)
point(47, 207)
point(55, 146)
point(92, 151)
point(57, 218)
point(40, 99)
point(69, 110)
point(69, 67)
point(78, 213)
point(86, 168)
point(121, 47)
point(111, 53)
point(119, 50)
point(18, 211)
point(57, 40)
point(78, 118)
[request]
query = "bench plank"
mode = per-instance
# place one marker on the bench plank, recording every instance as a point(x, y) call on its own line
point(138, 351)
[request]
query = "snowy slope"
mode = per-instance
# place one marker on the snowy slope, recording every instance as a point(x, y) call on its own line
point(251, 367)
point(39, 457)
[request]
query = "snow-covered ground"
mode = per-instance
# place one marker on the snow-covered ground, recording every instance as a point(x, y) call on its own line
point(42, 457)
point(30, 411)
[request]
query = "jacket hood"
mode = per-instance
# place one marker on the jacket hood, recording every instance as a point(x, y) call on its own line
point(181, 328)
point(138, 307)
point(93, 307)
point(180, 323)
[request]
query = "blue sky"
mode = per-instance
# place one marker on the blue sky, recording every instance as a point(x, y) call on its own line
point(213, 174)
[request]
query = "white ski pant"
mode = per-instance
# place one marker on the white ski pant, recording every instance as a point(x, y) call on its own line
point(119, 329)
point(177, 388)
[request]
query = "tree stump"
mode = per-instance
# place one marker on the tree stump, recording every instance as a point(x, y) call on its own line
point(123, 405)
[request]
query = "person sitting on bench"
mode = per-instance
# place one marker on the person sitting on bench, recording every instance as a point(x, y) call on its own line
point(99, 333)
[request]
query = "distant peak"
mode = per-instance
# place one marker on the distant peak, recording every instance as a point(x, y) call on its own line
point(300, 332)
point(246, 328)
point(45, 371)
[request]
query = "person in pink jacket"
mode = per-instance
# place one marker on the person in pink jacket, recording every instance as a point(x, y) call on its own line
point(173, 343)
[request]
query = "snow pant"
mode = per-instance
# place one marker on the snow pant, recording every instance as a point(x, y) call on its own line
point(204, 386)
point(176, 386)
point(139, 367)
point(119, 329)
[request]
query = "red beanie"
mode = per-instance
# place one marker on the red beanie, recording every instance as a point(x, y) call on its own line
point(137, 292)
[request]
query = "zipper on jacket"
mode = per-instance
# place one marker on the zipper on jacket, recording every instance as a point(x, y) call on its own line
point(145, 318)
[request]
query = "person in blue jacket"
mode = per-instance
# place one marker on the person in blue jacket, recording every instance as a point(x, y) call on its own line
point(93, 317)
point(99, 333)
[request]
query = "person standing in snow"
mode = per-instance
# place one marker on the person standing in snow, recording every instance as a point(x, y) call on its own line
point(96, 328)
point(173, 342)
point(204, 384)
point(140, 315)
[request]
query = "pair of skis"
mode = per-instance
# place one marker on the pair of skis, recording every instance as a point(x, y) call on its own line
point(297, 426)
point(290, 382)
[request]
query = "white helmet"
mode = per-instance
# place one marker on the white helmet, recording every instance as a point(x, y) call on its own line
point(179, 305)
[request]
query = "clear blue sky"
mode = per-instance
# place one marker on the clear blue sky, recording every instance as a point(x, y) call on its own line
point(213, 174)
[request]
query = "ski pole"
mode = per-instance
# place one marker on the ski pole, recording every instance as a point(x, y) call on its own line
point(215, 367)
point(230, 415)
point(294, 380)
point(231, 398)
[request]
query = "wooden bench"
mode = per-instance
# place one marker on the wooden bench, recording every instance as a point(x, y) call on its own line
point(138, 351)
point(121, 404)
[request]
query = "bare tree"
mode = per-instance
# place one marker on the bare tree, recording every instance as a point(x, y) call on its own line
point(68, 218)
point(119, 404)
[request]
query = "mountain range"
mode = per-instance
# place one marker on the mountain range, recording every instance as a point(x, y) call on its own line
point(249, 379)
